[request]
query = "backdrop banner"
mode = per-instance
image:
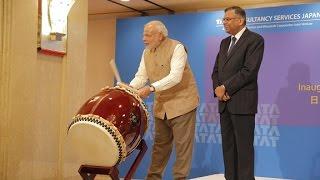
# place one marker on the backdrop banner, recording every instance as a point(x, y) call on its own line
point(287, 129)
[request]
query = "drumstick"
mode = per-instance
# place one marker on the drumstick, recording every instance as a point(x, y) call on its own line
point(115, 70)
point(116, 74)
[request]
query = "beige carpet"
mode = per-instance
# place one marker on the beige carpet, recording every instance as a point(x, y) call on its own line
point(221, 177)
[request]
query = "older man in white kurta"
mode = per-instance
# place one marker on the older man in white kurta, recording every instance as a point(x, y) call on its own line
point(164, 64)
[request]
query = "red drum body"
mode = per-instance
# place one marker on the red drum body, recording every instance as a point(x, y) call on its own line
point(108, 127)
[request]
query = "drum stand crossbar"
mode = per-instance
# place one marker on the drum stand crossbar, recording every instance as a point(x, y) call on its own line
point(88, 172)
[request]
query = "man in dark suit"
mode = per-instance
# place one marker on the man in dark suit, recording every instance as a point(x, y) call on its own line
point(234, 78)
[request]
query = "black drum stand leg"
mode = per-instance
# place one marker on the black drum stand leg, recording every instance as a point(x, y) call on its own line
point(143, 148)
point(89, 172)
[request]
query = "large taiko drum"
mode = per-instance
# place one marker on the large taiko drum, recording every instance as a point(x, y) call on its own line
point(108, 127)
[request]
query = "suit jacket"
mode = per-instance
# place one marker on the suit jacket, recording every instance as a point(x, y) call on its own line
point(238, 72)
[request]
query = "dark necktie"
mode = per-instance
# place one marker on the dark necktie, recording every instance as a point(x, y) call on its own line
point(233, 42)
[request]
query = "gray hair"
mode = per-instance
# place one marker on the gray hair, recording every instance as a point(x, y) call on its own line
point(159, 26)
point(238, 11)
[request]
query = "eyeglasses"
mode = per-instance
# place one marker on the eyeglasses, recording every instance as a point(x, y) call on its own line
point(228, 19)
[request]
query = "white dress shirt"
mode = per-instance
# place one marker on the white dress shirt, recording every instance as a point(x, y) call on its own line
point(238, 35)
point(178, 62)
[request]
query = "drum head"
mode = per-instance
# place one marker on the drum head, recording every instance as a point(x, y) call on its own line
point(92, 144)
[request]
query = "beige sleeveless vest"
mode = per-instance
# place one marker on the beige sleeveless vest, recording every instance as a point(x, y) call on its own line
point(179, 99)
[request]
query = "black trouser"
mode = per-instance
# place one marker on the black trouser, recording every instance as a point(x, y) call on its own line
point(237, 131)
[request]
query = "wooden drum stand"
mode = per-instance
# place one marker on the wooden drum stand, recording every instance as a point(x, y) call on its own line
point(88, 172)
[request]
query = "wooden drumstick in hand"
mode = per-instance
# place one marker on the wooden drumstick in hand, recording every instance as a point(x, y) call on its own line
point(115, 70)
point(117, 76)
